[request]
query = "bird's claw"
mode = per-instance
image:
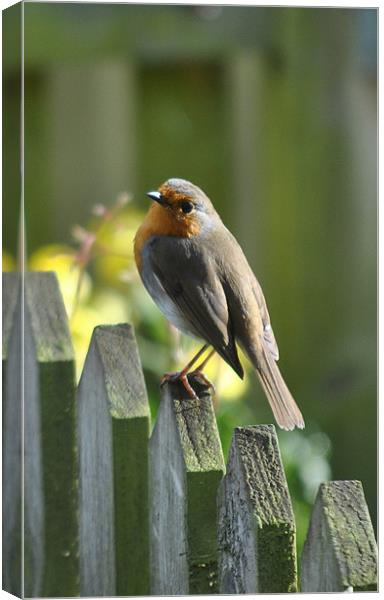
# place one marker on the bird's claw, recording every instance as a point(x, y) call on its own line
point(182, 377)
point(202, 379)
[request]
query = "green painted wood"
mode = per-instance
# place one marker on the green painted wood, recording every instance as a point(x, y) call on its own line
point(256, 532)
point(340, 552)
point(11, 439)
point(114, 422)
point(186, 467)
point(50, 459)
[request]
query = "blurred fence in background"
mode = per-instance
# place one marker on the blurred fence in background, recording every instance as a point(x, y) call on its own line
point(272, 111)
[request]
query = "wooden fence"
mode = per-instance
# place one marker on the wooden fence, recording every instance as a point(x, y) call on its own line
point(94, 504)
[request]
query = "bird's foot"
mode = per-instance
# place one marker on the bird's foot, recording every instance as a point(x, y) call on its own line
point(182, 377)
point(202, 379)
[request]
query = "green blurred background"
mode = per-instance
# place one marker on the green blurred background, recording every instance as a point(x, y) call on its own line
point(272, 111)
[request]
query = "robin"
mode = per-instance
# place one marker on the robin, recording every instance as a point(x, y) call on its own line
point(197, 274)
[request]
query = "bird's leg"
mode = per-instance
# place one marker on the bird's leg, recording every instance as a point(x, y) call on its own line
point(182, 375)
point(198, 372)
point(206, 359)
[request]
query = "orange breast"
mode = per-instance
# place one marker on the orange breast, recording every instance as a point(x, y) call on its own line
point(162, 221)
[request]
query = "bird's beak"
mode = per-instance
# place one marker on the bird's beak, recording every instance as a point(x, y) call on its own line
point(156, 196)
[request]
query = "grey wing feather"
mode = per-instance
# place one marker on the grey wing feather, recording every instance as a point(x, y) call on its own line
point(199, 295)
point(235, 276)
point(268, 334)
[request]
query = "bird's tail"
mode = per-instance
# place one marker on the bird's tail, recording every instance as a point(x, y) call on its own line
point(284, 408)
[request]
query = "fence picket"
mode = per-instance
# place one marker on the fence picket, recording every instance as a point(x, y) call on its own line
point(113, 430)
point(256, 529)
point(340, 550)
point(50, 465)
point(11, 460)
point(11, 291)
point(186, 466)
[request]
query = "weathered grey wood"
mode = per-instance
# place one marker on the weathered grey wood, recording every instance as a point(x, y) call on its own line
point(11, 290)
point(11, 442)
point(256, 531)
point(340, 550)
point(114, 422)
point(50, 465)
point(186, 466)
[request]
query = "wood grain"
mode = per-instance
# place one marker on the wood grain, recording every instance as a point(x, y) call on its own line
point(186, 466)
point(257, 533)
point(50, 459)
point(11, 441)
point(114, 423)
point(340, 551)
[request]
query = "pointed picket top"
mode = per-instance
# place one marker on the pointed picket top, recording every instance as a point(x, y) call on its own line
point(340, 550)
point(186, 467)
point(113, 430)
point(123, 375)
point(257, 534)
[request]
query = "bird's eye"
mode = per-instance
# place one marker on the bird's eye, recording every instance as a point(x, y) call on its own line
point(186, 207)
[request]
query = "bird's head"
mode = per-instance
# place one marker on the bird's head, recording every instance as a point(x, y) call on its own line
point(185, 205)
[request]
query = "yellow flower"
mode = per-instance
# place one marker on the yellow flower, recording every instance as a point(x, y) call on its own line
point(60, 259)
point(84, 320)
point(115, 247)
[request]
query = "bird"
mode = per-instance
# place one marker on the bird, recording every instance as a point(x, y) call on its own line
point(197, 274)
